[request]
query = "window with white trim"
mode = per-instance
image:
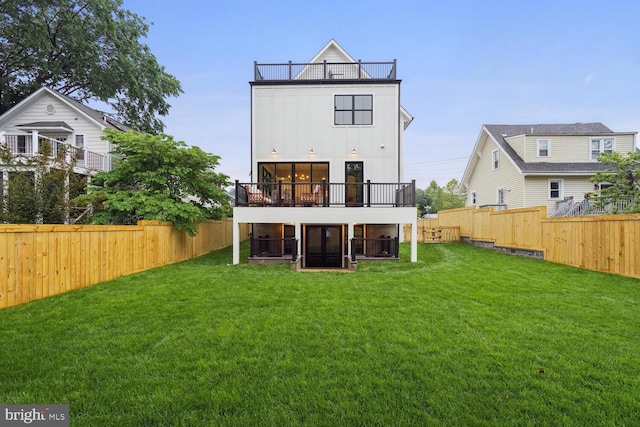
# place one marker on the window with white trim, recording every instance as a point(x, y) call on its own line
point(495, 160)
point(556, 189)
point(544, 148)
point(80, 145)
point(353, 110)
point(500, 196)
point(473, 198)
point(601, 146)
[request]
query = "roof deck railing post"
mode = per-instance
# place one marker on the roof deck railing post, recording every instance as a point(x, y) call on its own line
point(368, 193)
point(359, 69)
point(289, 70)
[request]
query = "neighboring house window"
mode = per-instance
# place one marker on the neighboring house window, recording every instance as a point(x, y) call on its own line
point(500, 196)
point(353, 110)
point(473, 198)
point(22, 144)
point(544, 148)
point(495, 159)
point(601, 146)
point(555, 189)
point(80, 146)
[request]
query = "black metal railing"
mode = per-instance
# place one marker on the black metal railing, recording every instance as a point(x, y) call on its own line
point(265, 246)
point(381, 247)
point(325, 194)
point(325, 71)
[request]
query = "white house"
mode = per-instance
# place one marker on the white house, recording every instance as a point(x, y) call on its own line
point(327, 146)
point(49, 123)
point(516, 166)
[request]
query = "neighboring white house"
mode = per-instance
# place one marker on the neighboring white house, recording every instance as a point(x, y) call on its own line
point(515, 166)
point(327, 146)
point(49, 120)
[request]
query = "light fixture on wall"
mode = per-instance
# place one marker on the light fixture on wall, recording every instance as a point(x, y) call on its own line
point(381, 145)
point(274, 151)
point(312, 151)
point(354, 151)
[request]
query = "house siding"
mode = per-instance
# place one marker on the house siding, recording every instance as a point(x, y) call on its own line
point(485, 181)
point(78, 122)
point(518, 144)
point(293, 119)
point(537, 190)
point(572, 148)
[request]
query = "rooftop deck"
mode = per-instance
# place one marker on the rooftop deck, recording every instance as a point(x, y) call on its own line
point(360, 71)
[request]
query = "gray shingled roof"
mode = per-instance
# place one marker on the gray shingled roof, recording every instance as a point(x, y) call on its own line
point(500, 132)
point(46, 124)
point(97, 115)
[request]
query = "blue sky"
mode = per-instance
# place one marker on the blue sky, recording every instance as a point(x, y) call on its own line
point(462, 64)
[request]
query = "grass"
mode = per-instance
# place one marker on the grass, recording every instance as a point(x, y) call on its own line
point(463, 337)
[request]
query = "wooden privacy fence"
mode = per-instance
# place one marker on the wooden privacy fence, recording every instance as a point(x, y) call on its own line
point(37, 261)
point(609, 243)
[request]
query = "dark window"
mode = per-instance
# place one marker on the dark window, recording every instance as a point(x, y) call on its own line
point(353, 110)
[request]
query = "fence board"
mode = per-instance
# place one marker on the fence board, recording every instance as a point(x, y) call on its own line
point(37, 261)
point(609, 243)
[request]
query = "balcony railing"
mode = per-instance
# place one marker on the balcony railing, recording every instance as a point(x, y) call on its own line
point(265, 246)
point(381, 247)
point(22, 145)
point(325, 71)
point(325, 194)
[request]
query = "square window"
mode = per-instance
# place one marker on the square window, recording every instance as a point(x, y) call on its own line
point(601, 146)
point(353, 110)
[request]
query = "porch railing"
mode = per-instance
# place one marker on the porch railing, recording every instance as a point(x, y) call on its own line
point(325, 71)
point(264, 246)
point(381, 247)
point(325, 194)
point(23, 145)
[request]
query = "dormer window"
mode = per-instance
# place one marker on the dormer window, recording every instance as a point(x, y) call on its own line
point(601, 146)
point(544, 148)
point(353, 110)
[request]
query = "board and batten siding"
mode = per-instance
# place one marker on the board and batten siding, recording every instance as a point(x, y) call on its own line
point(486, 182)
point(292, 119)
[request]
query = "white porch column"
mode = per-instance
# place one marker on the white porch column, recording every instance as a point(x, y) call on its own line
point(35, 142)
point(298, 234)
point(414, 241)
point(349, 237)
point(236, 242)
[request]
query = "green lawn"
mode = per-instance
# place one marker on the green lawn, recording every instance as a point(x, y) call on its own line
point(463, 337)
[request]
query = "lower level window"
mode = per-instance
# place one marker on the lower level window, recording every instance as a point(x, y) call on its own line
point(555, 189)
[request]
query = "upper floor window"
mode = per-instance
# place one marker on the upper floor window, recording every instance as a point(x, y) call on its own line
point(544, 148)
point(601, 146)
point(353, 110)
point(495, 160)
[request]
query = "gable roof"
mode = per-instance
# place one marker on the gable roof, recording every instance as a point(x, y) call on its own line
point(332, 52)
point(500, 133)
point(99, 118)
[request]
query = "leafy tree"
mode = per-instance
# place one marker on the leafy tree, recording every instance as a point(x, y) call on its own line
point(158, 178)
point(87, 49)
point(623, 173)
point(442, 198)
point(38, 187)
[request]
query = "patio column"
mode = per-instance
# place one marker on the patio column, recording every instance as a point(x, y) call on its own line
point(298, 234)
point(236, 242)
point(414, 240)
point(349, 238)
